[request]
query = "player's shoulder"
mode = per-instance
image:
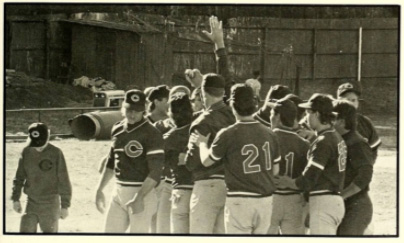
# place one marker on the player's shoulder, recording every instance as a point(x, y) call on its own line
point(117, 128)
point(364, 120)
point(354, 138)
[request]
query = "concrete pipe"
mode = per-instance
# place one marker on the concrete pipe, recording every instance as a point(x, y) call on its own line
point(95, 125)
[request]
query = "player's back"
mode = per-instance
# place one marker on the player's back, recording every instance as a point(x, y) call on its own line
point(293, 150)
point(250, 159)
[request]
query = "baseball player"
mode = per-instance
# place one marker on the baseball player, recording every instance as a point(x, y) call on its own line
point(358, 174)
point(324, 174)
point(352, 93)
point(250, 154)
point(158, 98)
point(288, 204)
point(42, 172)
point(276, 92)
point(209, 192)
point(176, 140)
point(136, 160)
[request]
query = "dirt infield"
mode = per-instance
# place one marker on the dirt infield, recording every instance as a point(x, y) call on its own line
point(83, 157)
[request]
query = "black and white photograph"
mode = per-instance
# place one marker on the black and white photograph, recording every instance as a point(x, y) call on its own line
point(200, 119)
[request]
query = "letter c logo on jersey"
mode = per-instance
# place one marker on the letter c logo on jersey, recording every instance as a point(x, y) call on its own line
point(133, 149)
point(46, 165)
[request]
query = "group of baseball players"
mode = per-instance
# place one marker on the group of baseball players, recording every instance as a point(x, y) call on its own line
point(218, 160)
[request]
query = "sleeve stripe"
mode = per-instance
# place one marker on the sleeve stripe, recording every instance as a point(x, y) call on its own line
point(375, 144)
point(213, 157)
point(311, 162)
point(158, 151)
point(277, 159)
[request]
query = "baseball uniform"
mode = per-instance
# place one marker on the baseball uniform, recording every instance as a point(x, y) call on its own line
point(45, 180)
point(288, 204)
point(209, 192)
point(248, 151)
point(368, 131)
point(137, 152)
point(323, 178)
point(359, 170)
point(176, 141)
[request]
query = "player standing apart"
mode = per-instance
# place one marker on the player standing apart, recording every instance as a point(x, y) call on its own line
point(358, 174)
point(288, 203)
point(42, 172)
point(250, 154)
point(136, 159)
point(323, 177)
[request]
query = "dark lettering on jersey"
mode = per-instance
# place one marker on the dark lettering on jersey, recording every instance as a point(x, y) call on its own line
point(46, 165)
point(133, 149)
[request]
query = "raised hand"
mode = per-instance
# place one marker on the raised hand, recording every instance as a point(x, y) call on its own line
point(216, 34)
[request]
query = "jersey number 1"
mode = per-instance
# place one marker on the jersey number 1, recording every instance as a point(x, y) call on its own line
point(252, 151)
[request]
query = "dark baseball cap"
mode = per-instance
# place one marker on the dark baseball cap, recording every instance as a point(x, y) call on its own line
point(348, 87)
point(285, 107)
point(213, 80)
point(242, 95)
point(319, 102)
point(38, 134)
point(159, 92)
point(278, 92)
point(344, 109)
point(134, 100)
point(180, 102)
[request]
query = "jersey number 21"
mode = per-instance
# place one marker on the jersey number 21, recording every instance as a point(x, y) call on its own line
point(253, 153)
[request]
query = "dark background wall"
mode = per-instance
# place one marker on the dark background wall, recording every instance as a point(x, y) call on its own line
point(324, 41)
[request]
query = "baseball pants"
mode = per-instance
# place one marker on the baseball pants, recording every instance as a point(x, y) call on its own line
point(207, 207)
point(248, 215)
point(163, 209)
point(180, 211)
point(158, 189)
point(287, 215)
point(358, 215)
point(119, 218)
point(45, 214)
point(326, 213)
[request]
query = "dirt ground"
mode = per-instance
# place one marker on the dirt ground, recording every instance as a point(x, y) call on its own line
point(83, 158)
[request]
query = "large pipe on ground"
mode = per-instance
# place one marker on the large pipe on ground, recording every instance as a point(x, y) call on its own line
point(94, 125)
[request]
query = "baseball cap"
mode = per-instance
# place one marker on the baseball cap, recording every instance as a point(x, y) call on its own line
point(319, 102)
point(242, 95)
point(159, 92)
point(180, 102)
point(286, 108)
point(38, 134)
point(278, 92)
point(134, 100)
point(179, 89)
point(344, 109)
point(348, 87)
point(213, 80)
